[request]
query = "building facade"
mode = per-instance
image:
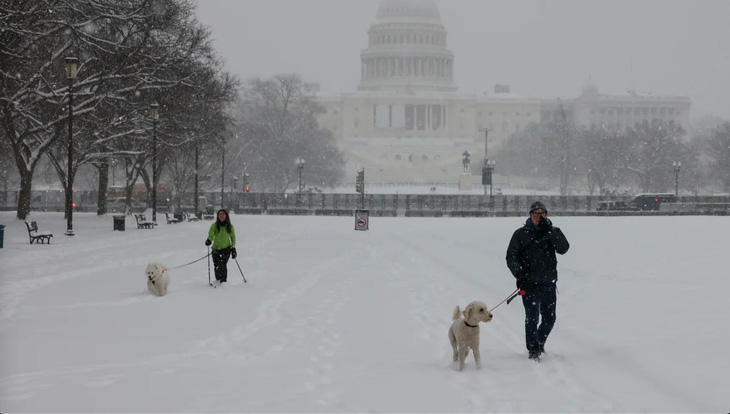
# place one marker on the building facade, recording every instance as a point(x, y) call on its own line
point(407, 123)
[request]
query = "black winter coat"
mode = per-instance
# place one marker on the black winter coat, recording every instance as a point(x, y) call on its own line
point(532, 251)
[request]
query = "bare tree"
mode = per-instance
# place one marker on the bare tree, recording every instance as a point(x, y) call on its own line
point(603, 149)
point(718, 146)
point(653, 147)
point(129, 51)
point(276, 125)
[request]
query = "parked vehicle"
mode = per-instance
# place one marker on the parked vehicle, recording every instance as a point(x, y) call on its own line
point(652, 201)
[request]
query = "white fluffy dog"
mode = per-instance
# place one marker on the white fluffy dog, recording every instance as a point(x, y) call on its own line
point(157, 279)
point(464, 333)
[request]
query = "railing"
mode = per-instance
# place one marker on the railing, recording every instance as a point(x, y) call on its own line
point(418, 205)
point(409, 205)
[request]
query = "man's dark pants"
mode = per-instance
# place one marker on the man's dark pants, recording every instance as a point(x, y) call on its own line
point(220, 264)
point(539, 302)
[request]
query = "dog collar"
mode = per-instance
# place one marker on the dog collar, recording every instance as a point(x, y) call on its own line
point(467, 324)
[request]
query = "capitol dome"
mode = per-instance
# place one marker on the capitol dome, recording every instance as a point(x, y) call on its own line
point(407, 49)
point(408, 9)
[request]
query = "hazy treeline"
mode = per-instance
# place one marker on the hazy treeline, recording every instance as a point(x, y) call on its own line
point(603, 159)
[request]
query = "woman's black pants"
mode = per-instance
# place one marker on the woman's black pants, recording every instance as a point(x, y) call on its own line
point(220, 263)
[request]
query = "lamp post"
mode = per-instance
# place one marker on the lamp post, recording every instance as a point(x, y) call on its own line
point(114, 178)
point(489, 169)
point(300, 166)
point(197, 178)
point(677, 166)
point(154, 113)
point(72, 65)
point(223, 168)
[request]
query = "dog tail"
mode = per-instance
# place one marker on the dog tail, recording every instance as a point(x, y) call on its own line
point(457, 313)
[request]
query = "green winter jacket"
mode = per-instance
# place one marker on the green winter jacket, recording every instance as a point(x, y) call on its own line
point(222, 239)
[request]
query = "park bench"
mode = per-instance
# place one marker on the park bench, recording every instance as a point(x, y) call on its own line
point(142, 222)
point(191, 217)
point(173, 220)
point(37, 236)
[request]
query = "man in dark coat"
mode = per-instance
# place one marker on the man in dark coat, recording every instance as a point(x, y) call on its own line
point(531, 259)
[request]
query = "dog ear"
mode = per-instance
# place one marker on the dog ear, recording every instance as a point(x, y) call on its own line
point(468, 310)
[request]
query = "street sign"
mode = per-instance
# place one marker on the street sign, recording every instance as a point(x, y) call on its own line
point(362, 217)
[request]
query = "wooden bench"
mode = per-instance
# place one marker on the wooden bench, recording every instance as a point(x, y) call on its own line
point(172, 220)
point(142, 222)
point(191, 217)
point(37, 236)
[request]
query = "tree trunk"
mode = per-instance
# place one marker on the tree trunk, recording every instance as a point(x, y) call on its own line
point(103, 185)
point(4, 197)
point(26, 179)
point(147, 185)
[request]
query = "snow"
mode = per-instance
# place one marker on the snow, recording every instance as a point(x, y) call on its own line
point(338, 320)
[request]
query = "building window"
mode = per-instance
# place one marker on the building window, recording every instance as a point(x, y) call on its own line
point(355, 123)
point(397, 157)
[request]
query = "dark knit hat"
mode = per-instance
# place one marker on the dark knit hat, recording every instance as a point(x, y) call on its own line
point(538, 205)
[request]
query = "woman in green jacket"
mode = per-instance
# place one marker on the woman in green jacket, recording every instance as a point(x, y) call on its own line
point(222, 236)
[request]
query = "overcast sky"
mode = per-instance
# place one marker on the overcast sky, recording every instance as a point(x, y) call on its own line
point(541, 48)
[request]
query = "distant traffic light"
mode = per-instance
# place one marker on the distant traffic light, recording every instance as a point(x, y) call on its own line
point(248, 189)
point(360, 182)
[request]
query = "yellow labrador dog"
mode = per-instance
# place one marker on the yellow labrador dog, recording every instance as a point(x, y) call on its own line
point(157, 279)
point(464, 333)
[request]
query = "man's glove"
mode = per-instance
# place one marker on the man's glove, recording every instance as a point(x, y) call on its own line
point(521, 277)
point(208, 242)
point(233, 252)
point(546, 224)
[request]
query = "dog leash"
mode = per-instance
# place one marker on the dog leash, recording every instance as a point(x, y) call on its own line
point(509, 298)
point(188, 264)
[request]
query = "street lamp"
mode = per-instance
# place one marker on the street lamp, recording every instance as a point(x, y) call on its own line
point(72, 65)
point(114, 178)
point(155, 114)
point(197, 178)
point(300, 166)
point(223, 168)
point(677, 166)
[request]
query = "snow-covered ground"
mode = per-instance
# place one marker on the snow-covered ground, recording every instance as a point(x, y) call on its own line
point(335, 320)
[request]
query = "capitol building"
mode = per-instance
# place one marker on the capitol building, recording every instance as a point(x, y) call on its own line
point(408, 124)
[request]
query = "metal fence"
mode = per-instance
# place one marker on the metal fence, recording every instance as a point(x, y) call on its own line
point(420, 205)
point(408, 205)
